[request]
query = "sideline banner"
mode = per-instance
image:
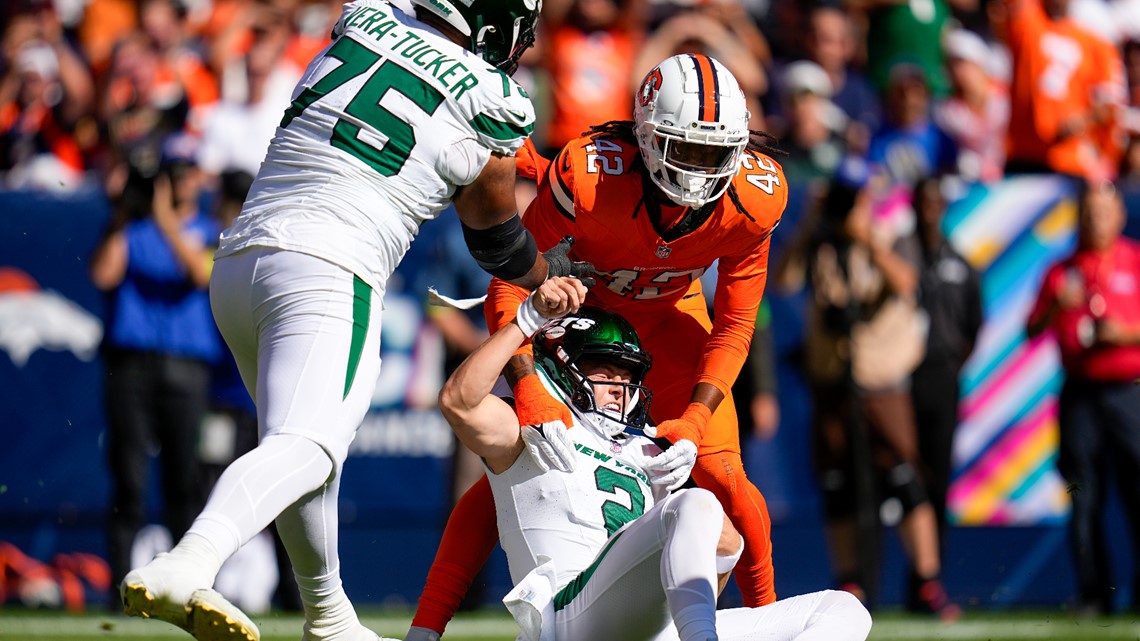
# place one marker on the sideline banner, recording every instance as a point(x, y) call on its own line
point(1006, 445)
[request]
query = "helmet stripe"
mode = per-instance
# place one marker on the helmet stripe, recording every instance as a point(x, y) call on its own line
point(706, 87)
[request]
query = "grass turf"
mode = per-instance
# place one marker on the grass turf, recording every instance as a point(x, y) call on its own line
point(25, 625)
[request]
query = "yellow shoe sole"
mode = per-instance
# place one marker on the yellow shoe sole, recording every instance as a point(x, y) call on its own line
point(138, 602)
point(210, 617)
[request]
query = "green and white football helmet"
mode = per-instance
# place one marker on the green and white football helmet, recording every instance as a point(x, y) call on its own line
point(500, 30)
point(594, 334)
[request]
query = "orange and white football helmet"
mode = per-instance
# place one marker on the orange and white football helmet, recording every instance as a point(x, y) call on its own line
point(691, 123)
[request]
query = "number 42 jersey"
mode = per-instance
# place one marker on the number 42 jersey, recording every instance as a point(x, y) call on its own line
point(385, 124)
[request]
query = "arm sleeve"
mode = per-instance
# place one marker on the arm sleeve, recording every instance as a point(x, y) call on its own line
point(739, 288)
point(531, 164)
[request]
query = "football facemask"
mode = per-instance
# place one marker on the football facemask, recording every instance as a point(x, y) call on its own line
point(499, 30)
point(595, 335)
point(691, 124)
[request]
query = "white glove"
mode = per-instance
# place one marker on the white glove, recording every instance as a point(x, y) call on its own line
point(671, 467)
point(550, 446)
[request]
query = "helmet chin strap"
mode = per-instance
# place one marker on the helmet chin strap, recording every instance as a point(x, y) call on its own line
point(598, 422)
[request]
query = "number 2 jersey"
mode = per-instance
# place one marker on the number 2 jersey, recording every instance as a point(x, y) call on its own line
point(569, 516)
point(385, 124)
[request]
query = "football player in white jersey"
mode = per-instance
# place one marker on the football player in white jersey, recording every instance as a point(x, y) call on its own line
point(597, 546)
point(398, 117)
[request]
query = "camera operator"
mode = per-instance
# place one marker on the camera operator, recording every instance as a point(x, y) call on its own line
point(154, 264)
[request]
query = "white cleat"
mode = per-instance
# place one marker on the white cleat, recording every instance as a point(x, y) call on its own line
point(161, 590)
point(210, 617)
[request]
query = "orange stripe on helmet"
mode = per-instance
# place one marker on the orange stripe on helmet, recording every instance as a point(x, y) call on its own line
point(707, 85)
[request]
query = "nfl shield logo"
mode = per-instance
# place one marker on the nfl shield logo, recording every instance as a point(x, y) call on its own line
point(615, 448)
point(663, 251)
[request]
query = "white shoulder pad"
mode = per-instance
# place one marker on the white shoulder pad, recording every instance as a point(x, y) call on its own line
point(503, 116)
point(349, 7)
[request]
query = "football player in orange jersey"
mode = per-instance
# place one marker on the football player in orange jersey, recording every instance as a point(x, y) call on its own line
point(1067, 84)
point(652, 204)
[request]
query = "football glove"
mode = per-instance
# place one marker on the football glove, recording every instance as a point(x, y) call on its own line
point(550, 446)
point(671, 467)
point(690, 426)
point(559, 264)
point(535, 406)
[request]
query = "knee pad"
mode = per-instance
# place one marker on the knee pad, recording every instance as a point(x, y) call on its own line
point(903, 484)
point(838, 493)
point(700, 499)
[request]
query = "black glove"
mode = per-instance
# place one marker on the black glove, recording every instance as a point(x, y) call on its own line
point(559, 264)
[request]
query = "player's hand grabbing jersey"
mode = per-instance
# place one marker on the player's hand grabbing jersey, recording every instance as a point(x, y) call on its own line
point(385, 124)
point(594, 191)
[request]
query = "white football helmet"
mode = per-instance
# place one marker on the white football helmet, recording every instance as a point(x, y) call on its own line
point(691, 123)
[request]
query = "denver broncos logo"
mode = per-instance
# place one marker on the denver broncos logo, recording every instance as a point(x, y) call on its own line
point(649, 87)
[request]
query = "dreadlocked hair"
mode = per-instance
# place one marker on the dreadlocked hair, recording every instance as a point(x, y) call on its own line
point(617, 129)
point(760, 142)
point(764, 142)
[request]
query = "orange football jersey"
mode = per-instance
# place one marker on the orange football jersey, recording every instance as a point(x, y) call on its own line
point(593, 191)
point(1060, 70)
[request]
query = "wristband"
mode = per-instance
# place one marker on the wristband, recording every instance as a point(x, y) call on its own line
point(528, 318)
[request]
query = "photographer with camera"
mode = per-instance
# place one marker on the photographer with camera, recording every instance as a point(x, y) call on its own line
point(1090, 301)
point(160, 341)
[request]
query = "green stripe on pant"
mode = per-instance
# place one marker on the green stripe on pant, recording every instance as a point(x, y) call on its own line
point(361, 313)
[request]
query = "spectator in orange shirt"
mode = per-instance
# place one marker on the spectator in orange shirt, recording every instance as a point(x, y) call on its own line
point(36, 149)
point(36, 20)
point(1065, 82)
point(590, 46)
point(104, 23)
point(180, 68)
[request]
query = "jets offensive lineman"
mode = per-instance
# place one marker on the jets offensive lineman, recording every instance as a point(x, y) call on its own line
point(398, 117)
point(596, 545)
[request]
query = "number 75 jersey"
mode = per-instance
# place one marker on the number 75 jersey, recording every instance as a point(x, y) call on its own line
point(384, 126)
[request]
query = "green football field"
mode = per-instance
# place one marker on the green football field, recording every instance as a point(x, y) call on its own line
point(1020, 626)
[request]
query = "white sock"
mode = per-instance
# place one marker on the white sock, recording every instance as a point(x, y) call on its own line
point(257, 487)
point(694, 624)
point(328, 612)
point(688, 562)
point(198, 551)
point(416, 633)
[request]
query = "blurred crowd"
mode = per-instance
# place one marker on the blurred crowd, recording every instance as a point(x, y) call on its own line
point(89, 87)
point(158, 102)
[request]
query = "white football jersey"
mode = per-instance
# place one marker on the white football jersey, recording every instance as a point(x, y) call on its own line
point(386, 122)
point(570, 516)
